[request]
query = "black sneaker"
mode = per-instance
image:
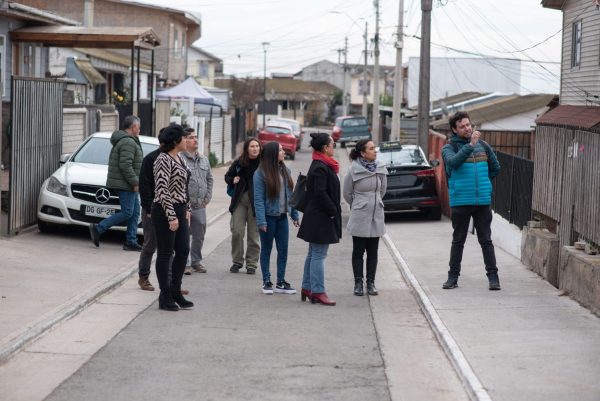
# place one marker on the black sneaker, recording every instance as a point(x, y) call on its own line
point(284, 288)
point(235, 268)
point(251, 270)
point(95, 234)
point(452, 281)
point(132, 247)
point(268, 288)
point(494, 281)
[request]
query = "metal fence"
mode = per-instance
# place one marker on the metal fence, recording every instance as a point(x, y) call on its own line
point(513, 189)
point(516, 143)
point(36, 144)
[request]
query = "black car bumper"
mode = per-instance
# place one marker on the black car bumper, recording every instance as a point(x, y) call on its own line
point(391, 204)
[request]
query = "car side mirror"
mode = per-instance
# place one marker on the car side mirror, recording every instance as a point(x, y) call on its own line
point(434, 163)
point(64, 158)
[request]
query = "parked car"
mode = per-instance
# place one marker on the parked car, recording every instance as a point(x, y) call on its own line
point(411, 179)
point(283, 133)
point(76, 193)
point(350, 129)
point(297, 127)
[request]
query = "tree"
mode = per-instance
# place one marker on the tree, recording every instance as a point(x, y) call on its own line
point(336, 100)
point(386, 99)
point(245, 92)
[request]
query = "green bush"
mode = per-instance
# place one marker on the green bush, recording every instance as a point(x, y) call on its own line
point(212, 159)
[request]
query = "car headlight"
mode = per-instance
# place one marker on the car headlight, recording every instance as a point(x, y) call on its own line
point(57, 187)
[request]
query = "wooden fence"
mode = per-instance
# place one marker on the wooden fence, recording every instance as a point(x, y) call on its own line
point(567, 181)
point(517, 143)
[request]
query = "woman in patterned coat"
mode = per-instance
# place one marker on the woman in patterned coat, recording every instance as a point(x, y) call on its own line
point(170, 217)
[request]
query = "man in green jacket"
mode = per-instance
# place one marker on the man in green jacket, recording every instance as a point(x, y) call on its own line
point(123, 175)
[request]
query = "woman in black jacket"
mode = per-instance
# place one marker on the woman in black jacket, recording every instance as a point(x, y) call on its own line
point(322, 220)
point(240, 184)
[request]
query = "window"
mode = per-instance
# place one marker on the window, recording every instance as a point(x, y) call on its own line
point(176, 44)
point(182, 44)
point(576, 48)
point(203, 69)
point(361, 85)
point(354, 122)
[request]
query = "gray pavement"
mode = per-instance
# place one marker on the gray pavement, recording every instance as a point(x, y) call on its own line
point(525, 342)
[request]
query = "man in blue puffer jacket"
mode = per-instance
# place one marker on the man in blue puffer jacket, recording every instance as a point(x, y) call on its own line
point(470, 170)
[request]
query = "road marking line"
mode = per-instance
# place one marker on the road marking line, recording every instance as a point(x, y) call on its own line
point(468, 377)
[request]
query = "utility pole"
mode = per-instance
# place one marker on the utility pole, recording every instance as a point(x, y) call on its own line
point(344, 102)
point(398, 77)
point(364, 86)
point(424, 77)
point(339, 51)
point(375, 133)
point(265, 46)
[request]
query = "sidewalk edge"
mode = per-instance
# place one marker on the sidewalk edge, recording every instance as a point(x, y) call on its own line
point(28, 337)
point(466, 374)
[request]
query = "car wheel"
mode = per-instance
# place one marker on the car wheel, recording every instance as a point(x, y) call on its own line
point(293, 157)
point(435, 213)
point(297, 148)
point(46, 228)
point(343, 144)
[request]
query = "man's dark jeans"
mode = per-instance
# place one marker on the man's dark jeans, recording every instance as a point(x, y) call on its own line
point(482, 218)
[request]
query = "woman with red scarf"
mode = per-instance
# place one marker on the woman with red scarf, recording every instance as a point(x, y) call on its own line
point(322, 220)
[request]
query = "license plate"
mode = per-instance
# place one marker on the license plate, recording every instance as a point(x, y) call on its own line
point(99, 211)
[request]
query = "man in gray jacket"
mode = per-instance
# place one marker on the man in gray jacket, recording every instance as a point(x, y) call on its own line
point(200, 190)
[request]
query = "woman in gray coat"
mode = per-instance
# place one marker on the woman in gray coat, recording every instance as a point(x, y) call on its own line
point(364, 187)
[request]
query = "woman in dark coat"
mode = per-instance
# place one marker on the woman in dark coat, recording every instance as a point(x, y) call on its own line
point(322, 220)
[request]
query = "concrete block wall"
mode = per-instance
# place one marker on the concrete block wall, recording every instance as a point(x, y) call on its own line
point(110, 122)
point(74, 128)
point(506, 236)
point(540, 253)
point(579, 275)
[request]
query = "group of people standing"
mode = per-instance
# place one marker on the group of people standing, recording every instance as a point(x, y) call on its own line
point(261, 186)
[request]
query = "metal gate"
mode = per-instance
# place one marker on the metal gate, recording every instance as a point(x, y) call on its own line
point(216, 137)
point(36, 144)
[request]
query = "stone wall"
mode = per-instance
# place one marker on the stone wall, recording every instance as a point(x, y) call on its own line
point(540, 253)
point(579, 276)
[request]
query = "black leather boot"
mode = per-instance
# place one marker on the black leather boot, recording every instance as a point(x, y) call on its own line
point(178, 297)
point(165, 301)
point(371, 270)
point(358, 287)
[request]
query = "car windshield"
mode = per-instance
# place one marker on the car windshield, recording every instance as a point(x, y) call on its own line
point(97, 151)
point(388, 157)
point(354, 122)
point(277, 130)
point(295, 125)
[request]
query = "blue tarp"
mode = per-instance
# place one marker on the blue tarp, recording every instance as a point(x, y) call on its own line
point(190, 89)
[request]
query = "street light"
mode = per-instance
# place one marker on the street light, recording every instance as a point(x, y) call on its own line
point(265, 47)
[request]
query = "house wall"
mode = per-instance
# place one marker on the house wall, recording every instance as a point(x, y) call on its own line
point(193, 65)
point(452, 76)
point(587, 77)
point(108, 13)
point(7, 25)
point(518, 122)
point(355, 97)
point(326, 71)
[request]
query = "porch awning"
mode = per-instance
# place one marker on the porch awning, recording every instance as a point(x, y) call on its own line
point(85, 36)
point(89, 72)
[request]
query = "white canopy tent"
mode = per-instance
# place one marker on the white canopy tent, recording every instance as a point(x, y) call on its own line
point(190, 89)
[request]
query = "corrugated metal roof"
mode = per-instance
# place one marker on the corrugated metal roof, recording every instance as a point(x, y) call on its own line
point(292, 89)
point(113, 57)
point(502, 108)
point(577, 116)
point(89, 72)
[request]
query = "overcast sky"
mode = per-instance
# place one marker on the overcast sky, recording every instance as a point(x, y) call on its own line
point(307, 31)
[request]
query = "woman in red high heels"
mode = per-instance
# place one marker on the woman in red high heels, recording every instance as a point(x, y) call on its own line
point(322, 220)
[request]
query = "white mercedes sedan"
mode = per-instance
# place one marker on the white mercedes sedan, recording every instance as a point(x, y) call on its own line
point(76, 193)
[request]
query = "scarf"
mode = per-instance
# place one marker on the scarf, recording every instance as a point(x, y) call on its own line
point(329, 161)
point(369, 166)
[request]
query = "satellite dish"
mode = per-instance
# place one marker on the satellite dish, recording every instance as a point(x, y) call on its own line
point(444, 108)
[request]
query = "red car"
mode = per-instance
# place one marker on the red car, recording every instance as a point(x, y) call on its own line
point(298, 131)
point(279, 132)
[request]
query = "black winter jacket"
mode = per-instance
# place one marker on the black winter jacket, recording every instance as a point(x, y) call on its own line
point(147, 180)
point(246, 183)
point(324, 197)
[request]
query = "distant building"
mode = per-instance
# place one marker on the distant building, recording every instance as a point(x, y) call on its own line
point(452, 76)
point(203, 66)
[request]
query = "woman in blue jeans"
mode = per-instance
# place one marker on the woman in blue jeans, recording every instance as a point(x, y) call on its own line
point(273, 186)
point(322, 220)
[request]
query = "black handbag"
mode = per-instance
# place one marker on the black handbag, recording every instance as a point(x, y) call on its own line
point(299, 197)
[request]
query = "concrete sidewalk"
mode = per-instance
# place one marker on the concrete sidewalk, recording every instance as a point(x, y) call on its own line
point(525, 342)
point(47, 277)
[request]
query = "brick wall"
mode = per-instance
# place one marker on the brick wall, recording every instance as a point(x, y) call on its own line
point(436, 143)
point(110, 122)
point(74, 129)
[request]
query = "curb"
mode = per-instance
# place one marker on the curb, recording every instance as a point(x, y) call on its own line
point(28, 337)
point(469, 379)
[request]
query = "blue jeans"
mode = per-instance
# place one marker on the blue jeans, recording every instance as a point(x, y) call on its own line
point(278, 229)
point(314, 268)
point(130, 211)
